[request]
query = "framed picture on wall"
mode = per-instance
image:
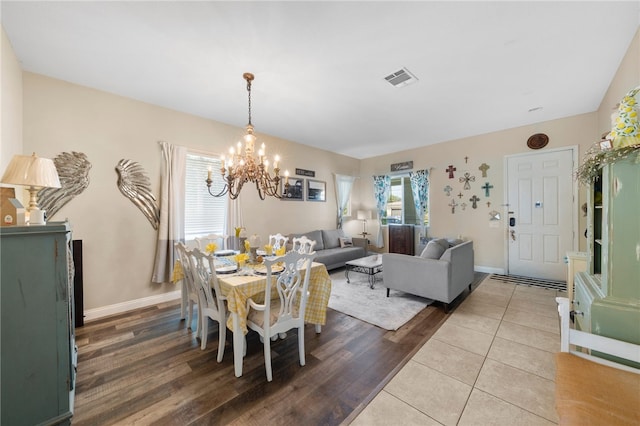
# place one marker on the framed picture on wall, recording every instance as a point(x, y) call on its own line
point(293, 189)
point(316, 190)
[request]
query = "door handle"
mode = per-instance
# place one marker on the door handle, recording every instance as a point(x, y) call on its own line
point(513, 234)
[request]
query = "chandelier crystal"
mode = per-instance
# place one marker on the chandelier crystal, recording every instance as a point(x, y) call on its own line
point(243, 165)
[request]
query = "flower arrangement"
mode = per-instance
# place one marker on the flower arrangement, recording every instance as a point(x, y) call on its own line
point(623, 141)
point(239, 231)
point(281, 251)
point(211, 248)
point(595, 159)
point(247, 246)
point(241, 258)
point(269, 249)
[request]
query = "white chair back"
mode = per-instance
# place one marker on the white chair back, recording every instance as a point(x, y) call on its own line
point(303, 244)
point(287, 311)
point(219, 240)
point(278, 241)
point(211, 298)
point(188, 289)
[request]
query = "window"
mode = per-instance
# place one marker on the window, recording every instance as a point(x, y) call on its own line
point(400, 205)
point(203, 214)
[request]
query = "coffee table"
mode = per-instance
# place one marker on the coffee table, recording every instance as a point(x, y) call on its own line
point(370, 265)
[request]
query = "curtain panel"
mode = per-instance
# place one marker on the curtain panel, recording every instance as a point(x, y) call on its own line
point(344, 184)
point(172, 204)
point(381, 189)
point(420, 189)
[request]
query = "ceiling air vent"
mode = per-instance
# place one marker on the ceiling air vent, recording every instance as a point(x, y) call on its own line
point(401, 78)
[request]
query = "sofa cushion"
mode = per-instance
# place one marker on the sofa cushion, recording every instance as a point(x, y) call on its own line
point(346, 242)
point(336, 257)
point(433, 250)
point(331, 238)
point(313, 236)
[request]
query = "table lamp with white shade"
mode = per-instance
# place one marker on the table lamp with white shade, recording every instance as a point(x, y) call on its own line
point(36, 173)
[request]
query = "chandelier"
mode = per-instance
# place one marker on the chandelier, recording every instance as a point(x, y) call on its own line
point(244, 166)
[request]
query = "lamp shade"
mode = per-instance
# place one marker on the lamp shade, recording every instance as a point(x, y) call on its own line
point(31, 171)
point(364, 214)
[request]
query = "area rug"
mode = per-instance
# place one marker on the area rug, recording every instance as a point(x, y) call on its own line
point(357, 300)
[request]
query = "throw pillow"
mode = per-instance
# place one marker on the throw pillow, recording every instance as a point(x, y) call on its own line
point(443, 242)
point(433, 250)
point(454, 241)
point(346, 242)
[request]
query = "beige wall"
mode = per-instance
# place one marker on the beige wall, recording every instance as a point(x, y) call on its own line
point(10, 104)
point(118, 241)
point(627, 77)
point(489, 243)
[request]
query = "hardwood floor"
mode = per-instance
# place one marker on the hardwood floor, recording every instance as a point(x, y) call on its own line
point(146, 367)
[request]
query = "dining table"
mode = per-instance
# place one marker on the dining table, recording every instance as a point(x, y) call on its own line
point(247, 283)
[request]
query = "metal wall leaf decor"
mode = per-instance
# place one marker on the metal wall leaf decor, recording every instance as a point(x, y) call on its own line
point(136, 186)
point(73, 171)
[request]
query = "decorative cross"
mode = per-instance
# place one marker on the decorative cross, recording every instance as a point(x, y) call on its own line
point(488, 203)
point(464, 206)
point(486, 188)
point(460, 195)
point(453, 205)
point(474, 200)
point(447, 190)
point(467, 177)
point(483, 168)
point(465, 159)
point(450, 170)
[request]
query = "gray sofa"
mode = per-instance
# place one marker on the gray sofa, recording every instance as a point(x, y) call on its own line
point(328, 247)
point(438, 273)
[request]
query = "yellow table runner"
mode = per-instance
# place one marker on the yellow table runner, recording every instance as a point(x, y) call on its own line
point(238, 289)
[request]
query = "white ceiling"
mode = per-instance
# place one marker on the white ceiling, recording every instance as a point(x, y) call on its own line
point(320, 66)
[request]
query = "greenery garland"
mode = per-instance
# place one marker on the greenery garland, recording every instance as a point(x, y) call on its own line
point(596, 158)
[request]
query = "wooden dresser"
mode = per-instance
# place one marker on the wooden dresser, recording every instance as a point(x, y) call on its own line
point(607, 296)
point(38, 343)
point(401, 239)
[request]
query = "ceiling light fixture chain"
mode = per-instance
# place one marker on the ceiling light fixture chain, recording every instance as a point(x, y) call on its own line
point(243, 166)
point(249, 77)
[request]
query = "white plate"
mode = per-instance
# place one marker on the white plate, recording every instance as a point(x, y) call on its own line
point(224, 253)
point(262, 270)
point(226, 269)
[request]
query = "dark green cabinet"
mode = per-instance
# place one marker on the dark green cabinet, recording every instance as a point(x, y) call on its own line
point(38, 347)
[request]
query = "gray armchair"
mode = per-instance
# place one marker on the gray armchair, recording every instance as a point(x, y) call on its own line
point(441, 279)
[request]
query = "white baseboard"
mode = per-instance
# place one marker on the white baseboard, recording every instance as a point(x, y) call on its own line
point(488, 270)
point(118, 308)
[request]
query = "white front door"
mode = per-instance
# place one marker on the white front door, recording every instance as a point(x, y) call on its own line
point(541, 219)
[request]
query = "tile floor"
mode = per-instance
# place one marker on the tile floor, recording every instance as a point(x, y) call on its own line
point(490, 363)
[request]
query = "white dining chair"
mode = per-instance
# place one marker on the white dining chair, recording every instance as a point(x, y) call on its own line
point(188, 290)
point(303, 244)
point(219, 240)
point(277, 241)
point(285, 312)
point(212, 302)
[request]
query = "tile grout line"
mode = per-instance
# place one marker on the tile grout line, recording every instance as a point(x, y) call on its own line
point(485, 356)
